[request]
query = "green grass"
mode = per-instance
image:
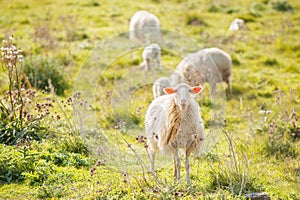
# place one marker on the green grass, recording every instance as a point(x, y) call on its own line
point(258, 152)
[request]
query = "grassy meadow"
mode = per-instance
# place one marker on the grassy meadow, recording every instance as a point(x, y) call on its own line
point(72, 108)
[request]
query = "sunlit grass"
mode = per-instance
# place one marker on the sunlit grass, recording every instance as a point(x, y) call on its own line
point(265, 78)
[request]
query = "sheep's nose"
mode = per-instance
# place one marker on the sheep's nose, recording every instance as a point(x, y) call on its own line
point(183, 102)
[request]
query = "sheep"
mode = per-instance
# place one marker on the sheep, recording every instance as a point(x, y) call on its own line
point(208, 65)
point(175, 78)
point(151, 57)
point(159, 85)
point(173, 122)
point(162, 82)
point(144, 27)
point(237, 24)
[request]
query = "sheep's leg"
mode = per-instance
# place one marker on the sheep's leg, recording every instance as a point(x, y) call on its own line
point(176, 166)
point(188, 152)
point(187, 168)
point(187, 161)
point(158, 60)
point(153, 68)
point(152, 64)
point(229, 87)
point(147, 66)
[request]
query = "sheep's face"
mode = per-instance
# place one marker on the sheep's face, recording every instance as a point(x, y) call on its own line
point(239, 22)
point(183, 94)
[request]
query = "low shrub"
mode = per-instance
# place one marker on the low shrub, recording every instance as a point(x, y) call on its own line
point(258, 6)
point(73, 144)
point(279, 143)
point(235, 60)
point(40, 70)
point(13, 162)
point(224, 9)
point(195, 20)
point(282, 6)
point(249, 17)
point(35, 166)
point(270, 61)
point(282, 128)
point(42, 170)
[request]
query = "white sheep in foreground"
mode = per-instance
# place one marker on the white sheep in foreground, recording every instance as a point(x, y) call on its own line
point(151, 57)
point(159, 85)
point(237, 24)
point(144, 26)
point(211, 65)
point(173, 122)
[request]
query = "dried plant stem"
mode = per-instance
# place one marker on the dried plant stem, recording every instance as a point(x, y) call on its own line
point(231, 150)
point(73, 129)
point(143, 166)
point(235, 164)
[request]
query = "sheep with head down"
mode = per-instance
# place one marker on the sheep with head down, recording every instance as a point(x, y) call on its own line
point(173, 122)
point(211, 65)
point(144, 27)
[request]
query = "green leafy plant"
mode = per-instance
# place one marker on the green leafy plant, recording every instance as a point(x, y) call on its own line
point(13, 162)
point(270, 61)
point(282, 6)
point(195, 19)
point(225, 9)
point(40, 70)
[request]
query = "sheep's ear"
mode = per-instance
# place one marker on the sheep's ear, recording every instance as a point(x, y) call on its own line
point(196, 90)
point(169, 90)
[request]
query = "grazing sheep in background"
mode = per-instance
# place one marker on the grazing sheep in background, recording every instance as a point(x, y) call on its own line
point(208, 65)
point(151, 56)
point(144, 26)
point(159, 85)
point(237, 24)
point(173, 122)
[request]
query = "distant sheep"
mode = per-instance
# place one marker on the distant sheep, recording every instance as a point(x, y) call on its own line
point(173, 122)
point(159, 85)
point(151, 56)
point(210, 65)
point(175, 78)
point(237, 24)
point(144, 27)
